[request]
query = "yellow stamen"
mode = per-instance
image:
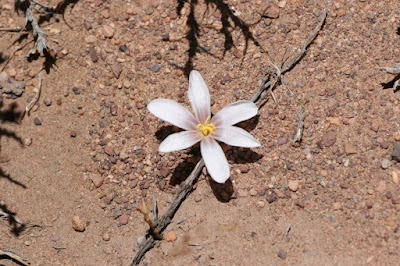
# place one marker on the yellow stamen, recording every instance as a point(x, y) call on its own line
point(207, 128)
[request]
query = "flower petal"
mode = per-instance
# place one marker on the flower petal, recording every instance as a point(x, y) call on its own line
point(235, 113)
point(215, 160)
point(172, 112)
point(199, 96)
point(236, 136)
point(179, 141)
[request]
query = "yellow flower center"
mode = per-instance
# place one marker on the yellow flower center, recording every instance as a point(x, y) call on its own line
point(207, 128)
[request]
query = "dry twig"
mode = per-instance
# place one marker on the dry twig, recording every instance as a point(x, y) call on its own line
point(37, 95)
point(269, 80)
point(300, 126)
point(14, 257)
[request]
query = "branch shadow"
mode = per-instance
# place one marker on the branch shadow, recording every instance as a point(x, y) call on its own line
point(391, 84)
point(227, 15)
point(10, 114)
point(16, 227)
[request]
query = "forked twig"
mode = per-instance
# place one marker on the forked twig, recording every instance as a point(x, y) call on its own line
point(269, 80)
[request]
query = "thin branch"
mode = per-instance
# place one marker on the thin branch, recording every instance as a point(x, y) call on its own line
point(14, 257)
point(37, 95)
point(300, 126)
point(269, 80)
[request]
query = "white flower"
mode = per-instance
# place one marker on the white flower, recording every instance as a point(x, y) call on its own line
point(201, 127)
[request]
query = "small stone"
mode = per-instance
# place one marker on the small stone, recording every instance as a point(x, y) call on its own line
point(282, 141)
point(77, 224)
point(253, 192)
point(3, 77)
point(396, 151)
point(73, 134)
point(93, 54)
point(155, 68)
point(96, 179)
point(269, 10)
point(395, 177)
point(123, 219)
point(106, 237)
point(171, 236)
point(28, 141)
point(117, 70)
point(47, 101)
point(260, 204)
point(350, 148)
point(282, 254)
point(294, 185)
point(271, 197)
point(126, 83)
point(90, 39)
point(381, 187)
point(333, 121)
point(336, 206)
point(140, 240)
point(37, 121)
point(386, 163)
point(242, 193)
point(375, 126)
point(108, 32)
point(244, 169)
point(329, 138)
point(76, 90)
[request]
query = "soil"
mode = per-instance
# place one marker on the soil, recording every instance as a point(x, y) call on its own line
point(87, 151)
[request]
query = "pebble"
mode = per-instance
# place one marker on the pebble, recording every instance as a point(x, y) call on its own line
point(155, 68)
point(244, 169)
point(73, 134)
point(329, 138)
point(106, 237)
point(117, 70)
point(282, 140)
point(282, 254)
point(243, 193)
point(386, 163)
point(395, 177)
point(28, 141)
point(269, 10)
point(171, 236)
point(350, 148)
point(396, 151)
point(76, 91)
point(96, 179)
point(140, 240)
point(253, 192)
point(107, 31)
point(93, 54)
point(336, 206)
point(294, 185)
point(375, 126)
point(123, 219)
point(90, 39)
point(260, 204)
point(271, 197)
point(77, 224)
point(37, 121)
point(47, 101)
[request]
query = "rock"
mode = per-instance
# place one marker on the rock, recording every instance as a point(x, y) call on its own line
point(171, 236)
point(96, 179)
point(123, 219)
point(107, 31)
point(4, 158)
point(73, 133)
point(253, 192)
point(117, 70)
point(395, 177)
point(106, 237)
point(294, 185)
point(269, 10)
point(17, 88)
point(260, 204)
point(350, 148)
point(333, 121)
point(93, 54)
point(271, 197)
point(282, 254)
point(336, 206)
point(375, 126)
point(282, 141)
point(155, 68)
point(77, 224)
point(47, 101)
point(90, 39)
point(242, 193)
point(396, 151)
point(28, 141)
point(244, 169)
point(37, 121)
point(381, 187)
point(386, 163)
point(329, 138)
point(3, 77)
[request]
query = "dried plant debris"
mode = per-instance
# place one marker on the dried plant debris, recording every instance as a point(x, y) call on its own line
point(16, 88)
point(41, 44)
point(394, 70)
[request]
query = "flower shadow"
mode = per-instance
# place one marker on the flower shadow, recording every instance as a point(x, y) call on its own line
point(223, 192)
